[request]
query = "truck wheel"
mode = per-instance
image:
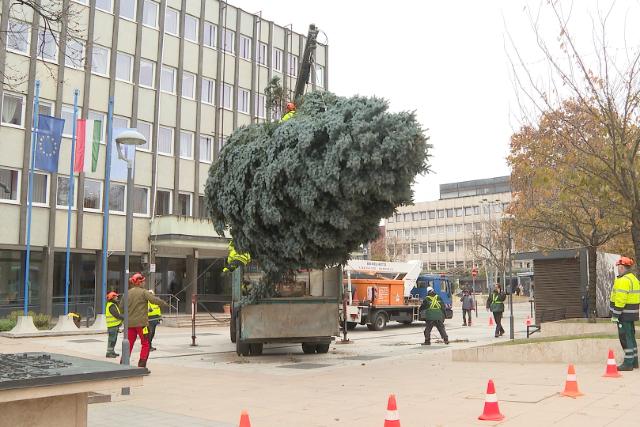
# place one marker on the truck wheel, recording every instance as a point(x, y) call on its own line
point(308, 348)
point(256, 349)
point(322, 348)
point(243, 349)
point(351, 326)
point(380, 321)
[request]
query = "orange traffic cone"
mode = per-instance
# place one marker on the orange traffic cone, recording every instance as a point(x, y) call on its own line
point(491, 410)
point(612, 368)
point(491, 320)
point(571, 386)
point(393, 418)
point(528, 321)
point(244, 420)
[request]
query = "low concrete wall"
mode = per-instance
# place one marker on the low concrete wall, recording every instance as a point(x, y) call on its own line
point(554, 329)
point(568, 351)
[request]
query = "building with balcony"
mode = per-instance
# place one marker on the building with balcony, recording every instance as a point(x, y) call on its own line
point(185, 74)
point(441, 232)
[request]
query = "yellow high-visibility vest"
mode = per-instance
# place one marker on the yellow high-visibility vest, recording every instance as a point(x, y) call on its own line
point(154, 311)
point(625, 298)
point(111, 320)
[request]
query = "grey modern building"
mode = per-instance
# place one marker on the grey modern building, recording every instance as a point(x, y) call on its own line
point(185, 73)
point(441, 232)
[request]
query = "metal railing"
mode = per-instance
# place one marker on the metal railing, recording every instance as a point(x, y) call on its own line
point(548, 315)
point(173, 301)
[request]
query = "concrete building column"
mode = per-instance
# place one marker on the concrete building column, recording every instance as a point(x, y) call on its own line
point(192, 274)
point(46, 285)
point(98, 288)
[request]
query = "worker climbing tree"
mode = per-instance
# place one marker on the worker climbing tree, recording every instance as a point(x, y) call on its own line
point(305, 193)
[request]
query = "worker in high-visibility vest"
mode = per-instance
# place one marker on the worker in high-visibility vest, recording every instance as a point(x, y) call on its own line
point(291, 111)
point(114, 320)
point(433, 311)
point(155, 317)
point(625, 302)
point(235, 259)
point(495, 304)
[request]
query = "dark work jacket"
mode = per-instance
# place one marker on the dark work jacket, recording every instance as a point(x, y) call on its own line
point(500, 297)
point(433, 313)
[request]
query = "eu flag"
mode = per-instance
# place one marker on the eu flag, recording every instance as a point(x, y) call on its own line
point(48, 139)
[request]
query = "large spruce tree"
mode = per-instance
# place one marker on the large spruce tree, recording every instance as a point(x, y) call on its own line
point(307, 192)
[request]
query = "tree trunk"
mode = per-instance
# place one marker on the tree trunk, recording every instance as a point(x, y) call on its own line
point(591, 286)
point(635, 234)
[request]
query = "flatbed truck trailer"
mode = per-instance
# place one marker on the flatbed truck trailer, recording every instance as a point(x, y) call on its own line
point(310, 320)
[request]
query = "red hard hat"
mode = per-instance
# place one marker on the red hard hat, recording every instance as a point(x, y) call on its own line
point(137, 279)
point(111, 295)
point(291, 106)
point(625, 261)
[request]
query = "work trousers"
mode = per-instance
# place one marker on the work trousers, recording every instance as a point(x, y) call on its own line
point(112, 339)
point(152, 331)
point(466, 313)
point(439, 324)
point(143, 333)
point(627, 335)
point(497, 315)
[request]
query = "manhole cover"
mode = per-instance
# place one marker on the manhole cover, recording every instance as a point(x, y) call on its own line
point(83, 341)
point(305, 366)
point(362, 357)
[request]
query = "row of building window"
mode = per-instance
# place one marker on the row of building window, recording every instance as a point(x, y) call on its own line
point(18, 41)
point(416, 233)
point(432, 247)
point(449, 213)
point(13, 114)
point(93, 197)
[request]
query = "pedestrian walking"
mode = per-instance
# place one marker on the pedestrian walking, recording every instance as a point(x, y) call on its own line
point(468, 305)
point(139, 300)
point(114, 320)
point(155, 317)
point(625, 301)
point(495, 304)
point(433, 311)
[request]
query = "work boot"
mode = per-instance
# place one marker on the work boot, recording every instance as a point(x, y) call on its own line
point(624, 367)
point(426, 343)
point(464, 324)
point(446, 341)
point(469, 322)
point(152, 349)
point(112, 354)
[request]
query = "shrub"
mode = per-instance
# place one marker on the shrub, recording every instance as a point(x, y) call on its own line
point(42, 321)
point(13, 316)
point(6, 325)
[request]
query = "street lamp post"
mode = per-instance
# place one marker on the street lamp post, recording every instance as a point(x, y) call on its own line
point(127, 138)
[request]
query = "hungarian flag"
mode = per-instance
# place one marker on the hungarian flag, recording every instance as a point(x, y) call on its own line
point(87, 145)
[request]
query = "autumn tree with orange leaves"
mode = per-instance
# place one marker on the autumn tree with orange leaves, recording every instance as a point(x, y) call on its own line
point(560, 202)
point(576, 164)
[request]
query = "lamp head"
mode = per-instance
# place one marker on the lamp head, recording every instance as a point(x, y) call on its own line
point(131, 137)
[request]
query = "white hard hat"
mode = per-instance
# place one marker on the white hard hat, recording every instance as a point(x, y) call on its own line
point(430, 289)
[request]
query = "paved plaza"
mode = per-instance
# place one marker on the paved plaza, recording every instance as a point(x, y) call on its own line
point(209, 385)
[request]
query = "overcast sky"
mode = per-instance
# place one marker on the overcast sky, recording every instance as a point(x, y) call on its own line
point(447, 60)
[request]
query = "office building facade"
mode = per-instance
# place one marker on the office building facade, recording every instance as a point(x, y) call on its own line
point(441, 233)
point(183, 73)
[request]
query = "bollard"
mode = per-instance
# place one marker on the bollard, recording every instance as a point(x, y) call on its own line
point(194, 306)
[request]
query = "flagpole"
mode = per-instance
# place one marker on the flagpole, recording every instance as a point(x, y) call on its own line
point(105, 220)
point(36, 108)
point(70, 201)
